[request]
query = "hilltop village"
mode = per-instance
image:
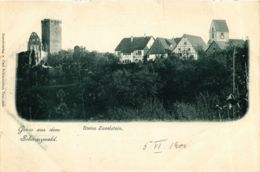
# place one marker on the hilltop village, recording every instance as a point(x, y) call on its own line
point(145, 78)
point(134, 49)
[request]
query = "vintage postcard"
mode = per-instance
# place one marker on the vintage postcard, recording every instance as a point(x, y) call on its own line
point(154, 85)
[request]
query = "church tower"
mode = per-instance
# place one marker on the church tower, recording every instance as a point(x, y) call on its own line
point(218, 31)
point(51, 35)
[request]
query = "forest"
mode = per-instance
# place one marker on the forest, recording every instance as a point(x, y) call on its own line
point(87, 85)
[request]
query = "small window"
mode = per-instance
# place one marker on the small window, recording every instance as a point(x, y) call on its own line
point(188, 49)
point(185, 43)
point(179, 49)
point(212, 35)
point(139, 52)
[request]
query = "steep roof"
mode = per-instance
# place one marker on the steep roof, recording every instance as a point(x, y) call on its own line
point(177, 40)
point(220, 25)
point(221, 45)
point(162, 46)
point(196, 41)
point(128, 45)
point(236, 42)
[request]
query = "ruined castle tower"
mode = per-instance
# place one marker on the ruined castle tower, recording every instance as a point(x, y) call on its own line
point(34, 47)
point(34, 42)
point(51, 35)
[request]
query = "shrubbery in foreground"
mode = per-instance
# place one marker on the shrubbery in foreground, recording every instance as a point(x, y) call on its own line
point(82, 85)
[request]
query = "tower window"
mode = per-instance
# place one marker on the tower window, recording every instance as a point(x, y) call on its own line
point(222, 35)
point(212, 35)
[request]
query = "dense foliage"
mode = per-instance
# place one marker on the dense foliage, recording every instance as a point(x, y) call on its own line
point(82, 85)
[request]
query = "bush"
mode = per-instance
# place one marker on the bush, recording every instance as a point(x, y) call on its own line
point(99, 87)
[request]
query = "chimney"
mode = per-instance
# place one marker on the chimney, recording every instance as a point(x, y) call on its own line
point(132, 38)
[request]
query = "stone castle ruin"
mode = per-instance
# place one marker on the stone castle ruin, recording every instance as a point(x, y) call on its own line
point(38, 49)
point(51, 35)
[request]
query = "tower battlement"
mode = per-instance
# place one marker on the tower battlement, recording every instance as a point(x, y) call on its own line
point(52, 21)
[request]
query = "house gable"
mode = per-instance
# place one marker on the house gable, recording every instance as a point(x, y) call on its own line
point(213, 47)
point(177, 40)
point(185, 48)
point(189, 46)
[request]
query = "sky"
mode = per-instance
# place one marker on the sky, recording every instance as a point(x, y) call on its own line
point(101, 24)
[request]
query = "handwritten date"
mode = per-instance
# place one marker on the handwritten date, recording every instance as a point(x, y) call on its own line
point(158, 146)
